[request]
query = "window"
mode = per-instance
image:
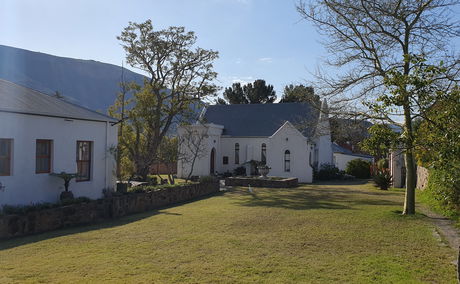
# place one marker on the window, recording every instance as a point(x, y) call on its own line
point(5, 156)
point(43, 156)
point(225, 160)
point(287, 161)
point(263, 153)
point(237, 153)
point(84, 160)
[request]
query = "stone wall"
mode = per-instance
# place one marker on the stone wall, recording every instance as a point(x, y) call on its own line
point(99, 210)
point(256, 182)
point(422, 177)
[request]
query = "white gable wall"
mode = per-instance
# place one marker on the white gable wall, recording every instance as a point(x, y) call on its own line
point(24, 186)
point(289, 138)
point(250, 149)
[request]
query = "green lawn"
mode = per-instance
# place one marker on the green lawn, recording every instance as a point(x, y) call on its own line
point(314, 233)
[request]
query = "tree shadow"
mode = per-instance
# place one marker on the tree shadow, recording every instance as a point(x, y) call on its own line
point(307, 199)
point(105, 224)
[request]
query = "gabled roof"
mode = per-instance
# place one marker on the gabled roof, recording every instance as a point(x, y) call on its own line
point(18, 99)
point(341, 150)
point(262, 120)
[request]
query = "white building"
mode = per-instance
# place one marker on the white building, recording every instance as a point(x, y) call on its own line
point(291, 138)
point(342, 156)
point(39, 135)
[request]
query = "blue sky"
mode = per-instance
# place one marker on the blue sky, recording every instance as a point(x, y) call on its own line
point(256, 39)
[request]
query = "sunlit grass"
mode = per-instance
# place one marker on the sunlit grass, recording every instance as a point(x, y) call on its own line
point(314, 233)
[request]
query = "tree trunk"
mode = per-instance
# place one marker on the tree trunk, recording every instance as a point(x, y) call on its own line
point(409, 200)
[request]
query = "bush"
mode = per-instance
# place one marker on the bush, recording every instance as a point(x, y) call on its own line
point(382, 164)
point(358, 168)
point(442, 192)
point(240, 171)
point(327, 172)
point(383, 179)
point(24, 209)
point(207, 179)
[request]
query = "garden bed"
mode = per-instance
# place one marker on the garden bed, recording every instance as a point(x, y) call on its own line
point(273, 182)
point(39, 219)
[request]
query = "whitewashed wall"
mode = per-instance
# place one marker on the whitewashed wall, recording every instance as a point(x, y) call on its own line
point(288, 138)
point(396, 168)
point(24, 186)
point(341, 160)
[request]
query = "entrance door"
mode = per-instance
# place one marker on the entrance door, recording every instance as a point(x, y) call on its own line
point(213, 162)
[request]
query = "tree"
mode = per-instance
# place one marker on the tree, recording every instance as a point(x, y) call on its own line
point(380, 141)
point(180, 76)
point(300, 93)
point(251, 93)
point(168, 155)
point(369, 40)
point(192, 145)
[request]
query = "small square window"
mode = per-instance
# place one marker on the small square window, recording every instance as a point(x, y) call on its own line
point(225, 160)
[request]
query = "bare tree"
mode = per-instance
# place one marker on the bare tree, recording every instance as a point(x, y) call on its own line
point(371, 39)
point(192, 146)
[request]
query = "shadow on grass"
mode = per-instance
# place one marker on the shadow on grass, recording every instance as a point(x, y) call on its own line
point(109, 223)
point(307, 199)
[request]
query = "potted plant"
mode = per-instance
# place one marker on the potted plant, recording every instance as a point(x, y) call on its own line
point(67, 177)
point(263, 170)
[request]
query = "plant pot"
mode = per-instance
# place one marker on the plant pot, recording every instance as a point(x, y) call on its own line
point(66, 195)
point(263, 171)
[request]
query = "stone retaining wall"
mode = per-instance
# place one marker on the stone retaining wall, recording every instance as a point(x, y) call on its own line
point(99, 210)
point(256, 182)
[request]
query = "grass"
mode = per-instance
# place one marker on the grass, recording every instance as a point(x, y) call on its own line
point(320, 233)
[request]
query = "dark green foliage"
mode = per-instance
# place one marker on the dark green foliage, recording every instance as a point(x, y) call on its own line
point(207, 179)
point(24, 209)
point(240, 171)
point(327, 172)
point(382, 164)
point(442, 194)
point(300, 94)
point(382, 138)
point(382, 179)
point(358, 168)
point(251, 93)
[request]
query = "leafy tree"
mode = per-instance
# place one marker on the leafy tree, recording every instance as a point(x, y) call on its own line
point(168, 155)
point(369, 41)
point(380, 141)
point(300, 93)
point(251, 93)
point(180, 75)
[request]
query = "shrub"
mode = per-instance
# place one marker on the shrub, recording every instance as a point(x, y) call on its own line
point(327, 172)
point(442, 192)
point(207, 179)
point(383, 179)
point(382, 164)
point(240, 171)
point(358, 168)
point(24, 209)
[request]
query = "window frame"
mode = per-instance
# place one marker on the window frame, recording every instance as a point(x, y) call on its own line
point(78, 178)
point(263, 153)
point(287, 161)
point(8, 157)
point(49, 156)
point(237, 153)
point(225, 160)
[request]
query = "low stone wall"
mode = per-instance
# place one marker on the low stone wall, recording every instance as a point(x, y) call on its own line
point(257, 182)
point(99, 210)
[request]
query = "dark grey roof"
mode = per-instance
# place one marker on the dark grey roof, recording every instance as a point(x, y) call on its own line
point(339, 149)
point(262, 119)
point(18, 99)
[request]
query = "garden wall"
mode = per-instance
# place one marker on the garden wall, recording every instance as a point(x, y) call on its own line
point(99, 210)
point(257, 182)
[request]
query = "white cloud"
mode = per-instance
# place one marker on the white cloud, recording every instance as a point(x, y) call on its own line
point(242, 80)
point(238, 61)
point(266, 60)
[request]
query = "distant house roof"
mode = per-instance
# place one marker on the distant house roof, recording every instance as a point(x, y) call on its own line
point(262, 120)
point(341, 150)
point(18, 99)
